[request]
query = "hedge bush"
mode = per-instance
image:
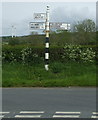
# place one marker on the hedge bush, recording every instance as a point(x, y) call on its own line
point(28, 54)
point(78, 53)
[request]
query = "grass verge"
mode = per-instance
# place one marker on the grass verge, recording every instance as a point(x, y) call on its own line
point(59, 75)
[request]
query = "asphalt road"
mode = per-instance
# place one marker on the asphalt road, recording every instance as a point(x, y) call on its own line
point(49, 102)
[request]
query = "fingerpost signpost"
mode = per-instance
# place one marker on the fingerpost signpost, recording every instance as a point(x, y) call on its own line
point(46, 25)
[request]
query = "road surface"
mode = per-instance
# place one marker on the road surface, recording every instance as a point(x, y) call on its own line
point(49, 103)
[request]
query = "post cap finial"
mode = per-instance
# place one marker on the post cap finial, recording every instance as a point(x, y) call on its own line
point(47, 6)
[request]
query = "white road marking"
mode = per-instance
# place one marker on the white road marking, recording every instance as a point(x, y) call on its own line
point(66, 116)
point(95, 112)
point(32, 112)
point(59, 112)
point(94, 116)
point(4, 112)
point(27, 116)
point(1, 116)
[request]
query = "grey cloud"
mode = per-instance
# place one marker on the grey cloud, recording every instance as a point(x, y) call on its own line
point(71, 14)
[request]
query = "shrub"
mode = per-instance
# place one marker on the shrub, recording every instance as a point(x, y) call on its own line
point(78, 53)
point(28, 56)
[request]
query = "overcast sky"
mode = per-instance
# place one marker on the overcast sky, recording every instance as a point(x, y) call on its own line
point(21, 13)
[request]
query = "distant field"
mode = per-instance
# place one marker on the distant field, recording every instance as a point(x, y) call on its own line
point(56, 39)
point(59, 75)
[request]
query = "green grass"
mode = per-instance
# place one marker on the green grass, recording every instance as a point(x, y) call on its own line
point(59, 75)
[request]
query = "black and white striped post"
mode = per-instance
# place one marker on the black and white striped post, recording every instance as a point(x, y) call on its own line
point(47, 41)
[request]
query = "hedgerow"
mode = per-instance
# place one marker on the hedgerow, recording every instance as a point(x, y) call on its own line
point(30, 54)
